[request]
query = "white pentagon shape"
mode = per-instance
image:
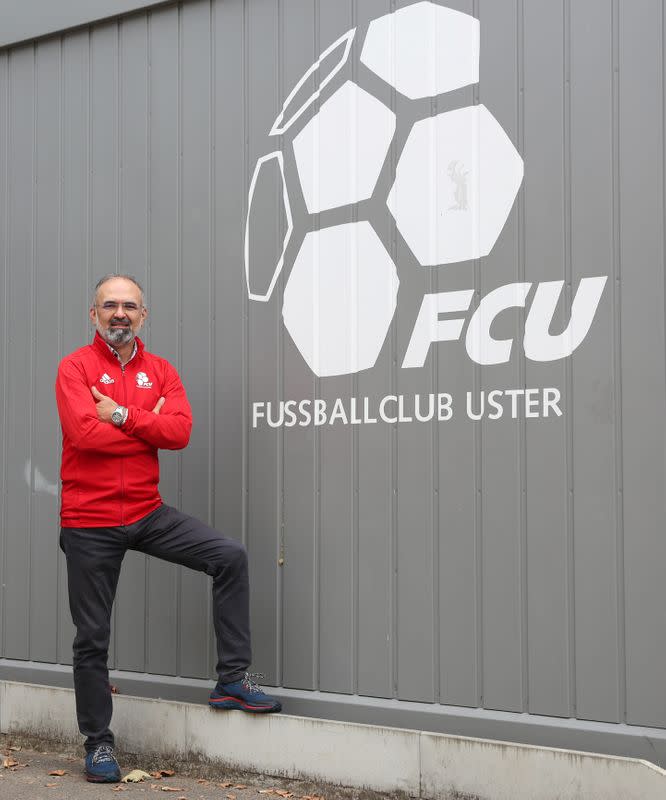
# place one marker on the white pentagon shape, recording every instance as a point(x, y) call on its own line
point(424, 49)
point(277, 155)
point(279, 126)
point(340, 152)
point(340, 299)
point(455, 184)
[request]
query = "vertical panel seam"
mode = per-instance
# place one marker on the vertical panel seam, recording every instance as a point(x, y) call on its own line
point(477, 434)
point(243, 298)
point(617, 348)
point(211, 305)
point(179, 293)
point(3, 511)
point(522, 368)
point(147, 251)
point(393, 441)
point(280, 456)
point(433, 287)
point(316, 555)
point(354, 476)
point(570, 691)
point(89, 159)
point(31, 370)
point(5, 345)
point(61, 189)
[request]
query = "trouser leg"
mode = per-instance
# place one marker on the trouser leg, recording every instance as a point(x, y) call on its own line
point(174, 536)
point(94, 557)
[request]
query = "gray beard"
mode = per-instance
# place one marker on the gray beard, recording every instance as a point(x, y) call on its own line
point(117, 336)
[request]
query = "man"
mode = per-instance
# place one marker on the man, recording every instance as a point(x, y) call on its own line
point(118, 404)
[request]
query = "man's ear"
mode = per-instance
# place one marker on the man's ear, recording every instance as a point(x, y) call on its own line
point(92, 314)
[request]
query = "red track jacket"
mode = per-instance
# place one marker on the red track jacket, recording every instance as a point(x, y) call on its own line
point(109, 474)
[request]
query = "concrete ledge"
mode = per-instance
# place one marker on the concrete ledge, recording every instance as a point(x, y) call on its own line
point(427, 765)
point(609, 738)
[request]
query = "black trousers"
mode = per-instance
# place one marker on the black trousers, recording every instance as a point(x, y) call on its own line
point(94, 556)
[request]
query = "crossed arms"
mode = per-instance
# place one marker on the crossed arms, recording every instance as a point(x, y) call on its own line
point(86, 417)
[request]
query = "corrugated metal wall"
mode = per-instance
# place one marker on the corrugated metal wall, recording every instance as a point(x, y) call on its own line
point(510, 564)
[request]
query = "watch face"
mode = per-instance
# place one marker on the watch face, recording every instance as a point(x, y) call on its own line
point(117, 417)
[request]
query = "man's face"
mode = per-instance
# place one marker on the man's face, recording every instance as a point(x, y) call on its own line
point(118, 324)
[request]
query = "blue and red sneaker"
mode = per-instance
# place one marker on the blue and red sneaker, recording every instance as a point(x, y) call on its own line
point(101, 765)
point(245, 695)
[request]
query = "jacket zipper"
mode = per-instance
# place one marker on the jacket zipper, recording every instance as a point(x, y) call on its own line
point(122, 458)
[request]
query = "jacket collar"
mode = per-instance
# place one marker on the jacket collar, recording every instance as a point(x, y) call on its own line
point(102, 347)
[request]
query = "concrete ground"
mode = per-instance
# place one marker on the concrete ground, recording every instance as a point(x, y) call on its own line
point(29, 778)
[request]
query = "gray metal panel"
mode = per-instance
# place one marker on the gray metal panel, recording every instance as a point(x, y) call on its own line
point(641, 183)
point(75, 222)
point(547, 258)
point(4, 277)
point(336, 478)
point(20, 394)
point(483, 564)
point(230, 310)
point(46, 438)
point(598, 643)
point(262, 357)
point(300, 501)
point(20, 21)
point(498, 446)
point(131, 119)
point(162, 625)
point(196, 305)
point(373, 487)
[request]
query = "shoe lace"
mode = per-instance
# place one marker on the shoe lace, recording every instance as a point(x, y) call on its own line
point(250, 682)
point(103, 753)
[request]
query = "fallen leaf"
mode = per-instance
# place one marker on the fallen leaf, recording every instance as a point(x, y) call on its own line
point(225, 785)
point(166, 773)
point(59, 772)
point(119, 789)
point(135, 776)
point(240, 786)
point(9, 762)
point(231, 797)
point(171, 789)
point(114, 689)
point(202, 781)
point(14, 747)
point(156, 775)
point(51, 785)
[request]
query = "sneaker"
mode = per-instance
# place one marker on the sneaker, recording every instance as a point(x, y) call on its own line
point(245, 695)
point(101, 765)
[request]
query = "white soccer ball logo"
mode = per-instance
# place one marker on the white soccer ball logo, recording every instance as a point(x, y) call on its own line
point(453, 188)
point(142, 379)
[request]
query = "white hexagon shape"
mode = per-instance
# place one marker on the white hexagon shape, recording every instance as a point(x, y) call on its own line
point(322, 81)
point(340, 152)
point(424, 50)
point(455, 184)
point(261, 277)
point(340, 299)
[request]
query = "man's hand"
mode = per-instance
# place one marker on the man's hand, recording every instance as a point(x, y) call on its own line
point(107, 405)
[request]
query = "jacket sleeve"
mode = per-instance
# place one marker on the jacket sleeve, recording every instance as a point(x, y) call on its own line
point(78, 416)
point(171, 428)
